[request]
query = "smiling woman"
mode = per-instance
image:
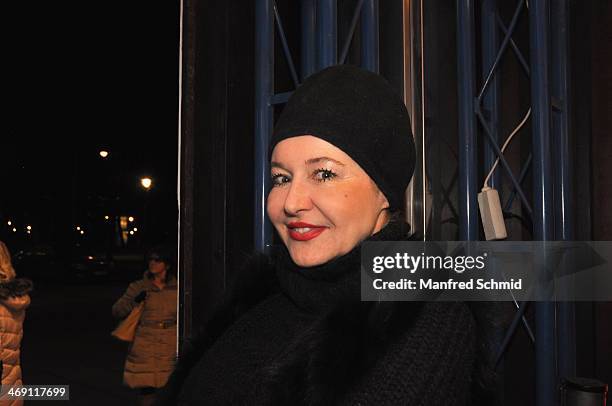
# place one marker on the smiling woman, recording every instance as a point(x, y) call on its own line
point(293, 330)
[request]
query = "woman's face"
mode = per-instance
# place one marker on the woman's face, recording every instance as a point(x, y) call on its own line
point(157, 266)
point(322, 203)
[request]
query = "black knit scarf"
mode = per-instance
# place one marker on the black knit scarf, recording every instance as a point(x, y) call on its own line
point(320, 288)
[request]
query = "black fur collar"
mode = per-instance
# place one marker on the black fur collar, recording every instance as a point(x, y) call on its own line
point(320, 364)
point(15, 287)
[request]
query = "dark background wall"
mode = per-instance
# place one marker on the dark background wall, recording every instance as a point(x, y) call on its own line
point(601, 116)
point(216, 145)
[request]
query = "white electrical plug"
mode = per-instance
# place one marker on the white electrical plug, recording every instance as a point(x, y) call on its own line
point(491, 214)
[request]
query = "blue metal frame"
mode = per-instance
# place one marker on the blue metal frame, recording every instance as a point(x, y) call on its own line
point(549, 159)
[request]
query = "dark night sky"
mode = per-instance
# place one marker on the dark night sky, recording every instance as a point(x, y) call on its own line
point(78, 77)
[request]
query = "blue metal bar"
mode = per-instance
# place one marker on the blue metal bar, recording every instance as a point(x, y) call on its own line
point(264, 88)
point(351, 33)
point(515, 48)
point(521, 178)
point(502, 48)
point(518, 316)
point(288, 57)
point(542, 191)
point(466, 74)
point(490, 41)
point(308, 49)
point(369, 36)
point(327, 33)
point(563, 202)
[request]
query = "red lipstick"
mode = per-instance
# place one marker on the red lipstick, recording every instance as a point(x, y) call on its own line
point(314, 231)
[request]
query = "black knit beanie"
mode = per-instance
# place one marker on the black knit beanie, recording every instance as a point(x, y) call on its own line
point(360, 113)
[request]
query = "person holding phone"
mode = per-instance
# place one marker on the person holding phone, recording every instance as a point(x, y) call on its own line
point(152, 354)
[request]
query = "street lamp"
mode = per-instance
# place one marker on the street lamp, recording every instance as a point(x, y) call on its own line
point(103, 154)
point(146, 182)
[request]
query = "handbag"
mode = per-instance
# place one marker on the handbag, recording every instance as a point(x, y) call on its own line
point(127, 327)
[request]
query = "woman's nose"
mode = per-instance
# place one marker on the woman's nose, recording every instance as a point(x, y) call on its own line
point(298, 198)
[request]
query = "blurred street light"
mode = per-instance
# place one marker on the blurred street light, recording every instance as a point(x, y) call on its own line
point(146, 182)
point(29, 228)
point(14, 230)
point(132, 232)
point(103, 153)
point(106, 217)
point(82, 232)
point(130, 219)
point(78, 228)
point(10, 223)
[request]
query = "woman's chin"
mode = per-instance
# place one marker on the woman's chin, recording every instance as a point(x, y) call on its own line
point(304, 260)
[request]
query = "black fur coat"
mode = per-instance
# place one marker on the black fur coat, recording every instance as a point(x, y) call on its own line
point(288, 338)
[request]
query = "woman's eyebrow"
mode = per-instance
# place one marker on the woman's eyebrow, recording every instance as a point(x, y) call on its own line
point(274, 164)
point(322, 159)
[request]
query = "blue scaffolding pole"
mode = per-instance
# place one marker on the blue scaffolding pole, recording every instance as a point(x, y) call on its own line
point(539, 35)
point(327, 33)
point(466, 76)
point(490, 46)
point(369, 36)
point(564, 229)
point(264, 116)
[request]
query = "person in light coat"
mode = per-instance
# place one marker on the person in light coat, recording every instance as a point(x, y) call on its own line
point(14, 299)
point(152, 354)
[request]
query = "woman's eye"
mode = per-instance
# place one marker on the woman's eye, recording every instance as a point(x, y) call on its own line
point(323, 175)
point(279, 179)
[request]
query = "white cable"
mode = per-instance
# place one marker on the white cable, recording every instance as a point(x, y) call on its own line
point(503, 148)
